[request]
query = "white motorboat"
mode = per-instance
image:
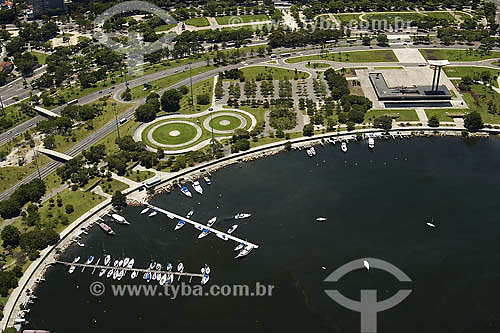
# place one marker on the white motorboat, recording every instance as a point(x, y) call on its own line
point(432, 225)
point(197, 187)
point(179, 225)
point(120, 275)
point(170, 278)
point(239, 246)
point(240, 216)
point(152, 265)
point(186, 192)
point(107, 260)
point(366, 264)
point(153, 213)
point(222, 236)
point(119, 219)
point(145, 210)
point(80, 244)
point(205, 279)
point(199, 227)
point(77, 259)
point(89, 260)
point(133, 275)
point(110, 273)
point(158, 267)
point(207, 180)
point(115, 274)
point(71, 269)
point(204, 233)
point(246, 250)
point(169, 267)
point(309, 153)
point(211, 222)
point(180, 267)
point(232, 229)
point(188, 215)
point(125, 262)
point(207, 269)
point(102, 272)
point(115, 264)
point(321, 219)
point(163, 279)
point(120, 263)
point(153, 277)
point(131, 263)
point(313, 151)
point(371, 143)
point(343, 146)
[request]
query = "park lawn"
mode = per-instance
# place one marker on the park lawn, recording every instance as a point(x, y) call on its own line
point(199, 88)
point(64, 143)
point(457, 55)
point(82, 202)
point(138, 92)
point(352, 56)
point(257, 112)
point(478, 100)
point(162, 133)
point(317, 65)
point(403, 115)
point(110, 187)
point(224, 20)
point(164, 27)
point(440, 16)
point(197, 22)
point(14, 114)
point(347, 19)
point(139, 175)
point(42, 57)
point(109, 141)
point(278, 73)
point(473, 72)
point(402, 17)
point(9, 176)
point(441, 114)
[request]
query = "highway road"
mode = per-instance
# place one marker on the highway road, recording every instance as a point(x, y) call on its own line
point(102, 132)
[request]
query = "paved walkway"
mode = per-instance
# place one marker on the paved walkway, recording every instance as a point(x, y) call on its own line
point(409, 56)
point(422, 116)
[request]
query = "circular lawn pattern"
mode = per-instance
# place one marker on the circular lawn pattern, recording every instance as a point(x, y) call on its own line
point(224, 122)
point(175, 133)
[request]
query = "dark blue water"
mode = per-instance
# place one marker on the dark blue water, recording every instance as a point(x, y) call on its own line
point(377, 204)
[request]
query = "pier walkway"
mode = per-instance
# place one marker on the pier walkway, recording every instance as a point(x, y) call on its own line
point(204, 226)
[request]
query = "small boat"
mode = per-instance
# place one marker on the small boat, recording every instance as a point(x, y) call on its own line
point(205, 279)
point(212, 221)
point(125, 262)
point(110, 273)
point(371, 143)
point(152, 264)
point(239, 247)
point(366, 264)
point(233, 228)
point(197, 187)
point(432, 225)
point(163, 279)
point(148, 277)
point(89, 260)
point(145, 210)
point(207, 180)
point(107, 260)
point(186, 192)
point(119, 219)
point(180, 267)
point(106, 228)
point(115, 274)
point(158, 267)
point(102, 272)
point(313, 151)
point(179, 224)
point(133, 275)
point(145, 276)
point(80, 244)
point(242, 216)
point(71, 269)
point(153, 277)
point(115, 264)
point(343, 146)
point(170, 278)
point(204, 233)
point(309, 153)
point(199, 227)
point(207, 269)
point(77, 259)
point(222, 236)
point(188, 215)
point(321, 219)
point(169, 267)
point(153, 213)
point(246, 250)
point(131, 263)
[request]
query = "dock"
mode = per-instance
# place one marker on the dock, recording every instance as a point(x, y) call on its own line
point(172, 216)
point(139, 270)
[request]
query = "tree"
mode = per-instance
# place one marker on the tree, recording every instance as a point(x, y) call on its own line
point(10, 236)
point(49, 142)
point(382, 40)
point(25, 62)
point(473, 121)
point(384, 122)
point(367, 41)
point(119, 200)
point(308, 130)
point(170, 100)
point(69, 209)
point(127, 95)
point(433, 121)
point(288, 146)
point(145, 113)
point(203, 99)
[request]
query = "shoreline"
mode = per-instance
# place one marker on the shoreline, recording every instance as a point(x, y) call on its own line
point(36, 271)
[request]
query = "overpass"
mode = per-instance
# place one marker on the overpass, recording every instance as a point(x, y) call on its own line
point(46, 112)
point(55, 154)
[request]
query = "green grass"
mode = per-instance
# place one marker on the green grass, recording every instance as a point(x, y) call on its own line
point(473, 72)
point(110, 187)
point(224, 20)
point(403, 115)
point(164, 27)
point(354, 56)
point(441, 114)
point(14, 114)
point(162, 134)
point(197, 22)
point(392, 17)
point(138, 92)
point(139, 175)
point(457, 55)
point(478, 100)
point(317, 65)
point(199, 88)
point(440, 16)
point(347, 19)
point(234, 122)
point(252, 72)
point(42, 57)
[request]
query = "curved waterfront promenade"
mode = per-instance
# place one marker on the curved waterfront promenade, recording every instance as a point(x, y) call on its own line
point(36, 269)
